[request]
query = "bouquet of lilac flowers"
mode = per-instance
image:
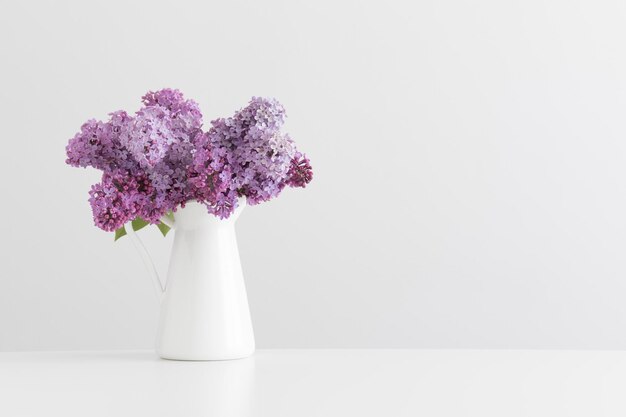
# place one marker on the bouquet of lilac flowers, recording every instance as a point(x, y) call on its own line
point(160, 158)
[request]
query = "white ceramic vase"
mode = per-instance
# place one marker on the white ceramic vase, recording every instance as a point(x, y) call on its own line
point(204, 308)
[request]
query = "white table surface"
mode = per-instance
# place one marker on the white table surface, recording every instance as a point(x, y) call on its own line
point(300, 383)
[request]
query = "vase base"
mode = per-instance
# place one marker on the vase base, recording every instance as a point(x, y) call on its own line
point(205, 358)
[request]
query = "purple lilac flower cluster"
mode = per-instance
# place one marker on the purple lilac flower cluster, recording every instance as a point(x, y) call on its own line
point(250, 156)
point(160, 158)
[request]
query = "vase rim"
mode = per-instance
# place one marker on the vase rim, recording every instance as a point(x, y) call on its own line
point(195, 212)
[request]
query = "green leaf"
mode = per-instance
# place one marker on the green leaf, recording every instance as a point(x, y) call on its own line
point(119, 233)
point(139, 224)
point(163, 228)
point(170, 215)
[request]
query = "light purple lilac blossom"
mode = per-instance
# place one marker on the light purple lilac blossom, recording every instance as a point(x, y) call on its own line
point(160, 158)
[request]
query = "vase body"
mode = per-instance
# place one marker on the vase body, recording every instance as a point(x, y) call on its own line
point(204, 311)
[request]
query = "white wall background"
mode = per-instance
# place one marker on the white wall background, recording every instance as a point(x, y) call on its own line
point(469, 168)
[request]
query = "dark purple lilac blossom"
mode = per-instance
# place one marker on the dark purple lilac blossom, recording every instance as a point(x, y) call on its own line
point(160, 158)
point(300, 171)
